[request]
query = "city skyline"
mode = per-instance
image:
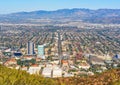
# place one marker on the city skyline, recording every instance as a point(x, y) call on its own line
point(11, 6)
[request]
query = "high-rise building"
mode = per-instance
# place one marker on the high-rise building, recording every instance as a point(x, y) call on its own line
point(0, 28)
point(41, 51)
point(30, 48)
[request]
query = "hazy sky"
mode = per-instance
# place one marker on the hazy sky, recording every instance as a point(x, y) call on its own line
point(10, 6)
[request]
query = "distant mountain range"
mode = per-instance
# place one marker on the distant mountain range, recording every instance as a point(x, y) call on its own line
point(85, 15)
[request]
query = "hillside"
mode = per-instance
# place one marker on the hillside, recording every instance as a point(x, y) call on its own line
point(111, 77)
point(15, 77)
point(85, 15)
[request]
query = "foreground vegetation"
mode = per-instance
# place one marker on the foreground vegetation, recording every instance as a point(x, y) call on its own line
point(111, 77)
point(16, 77)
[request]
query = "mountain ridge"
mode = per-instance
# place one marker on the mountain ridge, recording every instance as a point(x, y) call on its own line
point(85, 15)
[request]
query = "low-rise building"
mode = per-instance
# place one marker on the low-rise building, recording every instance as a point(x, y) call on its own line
point(84, 65)
point(34, 69)
point(47, 72)
point(11, 61)
point(57, 72)
point(24, 68)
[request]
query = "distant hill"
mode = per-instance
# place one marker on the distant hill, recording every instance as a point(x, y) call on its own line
point(85, 15)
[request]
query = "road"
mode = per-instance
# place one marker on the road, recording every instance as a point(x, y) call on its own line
point(59, 47)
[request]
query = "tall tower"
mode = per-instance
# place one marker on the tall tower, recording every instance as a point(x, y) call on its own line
point(30, 48)
point(41, 51)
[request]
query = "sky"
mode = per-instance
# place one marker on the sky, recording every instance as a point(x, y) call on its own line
point(11, 6)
